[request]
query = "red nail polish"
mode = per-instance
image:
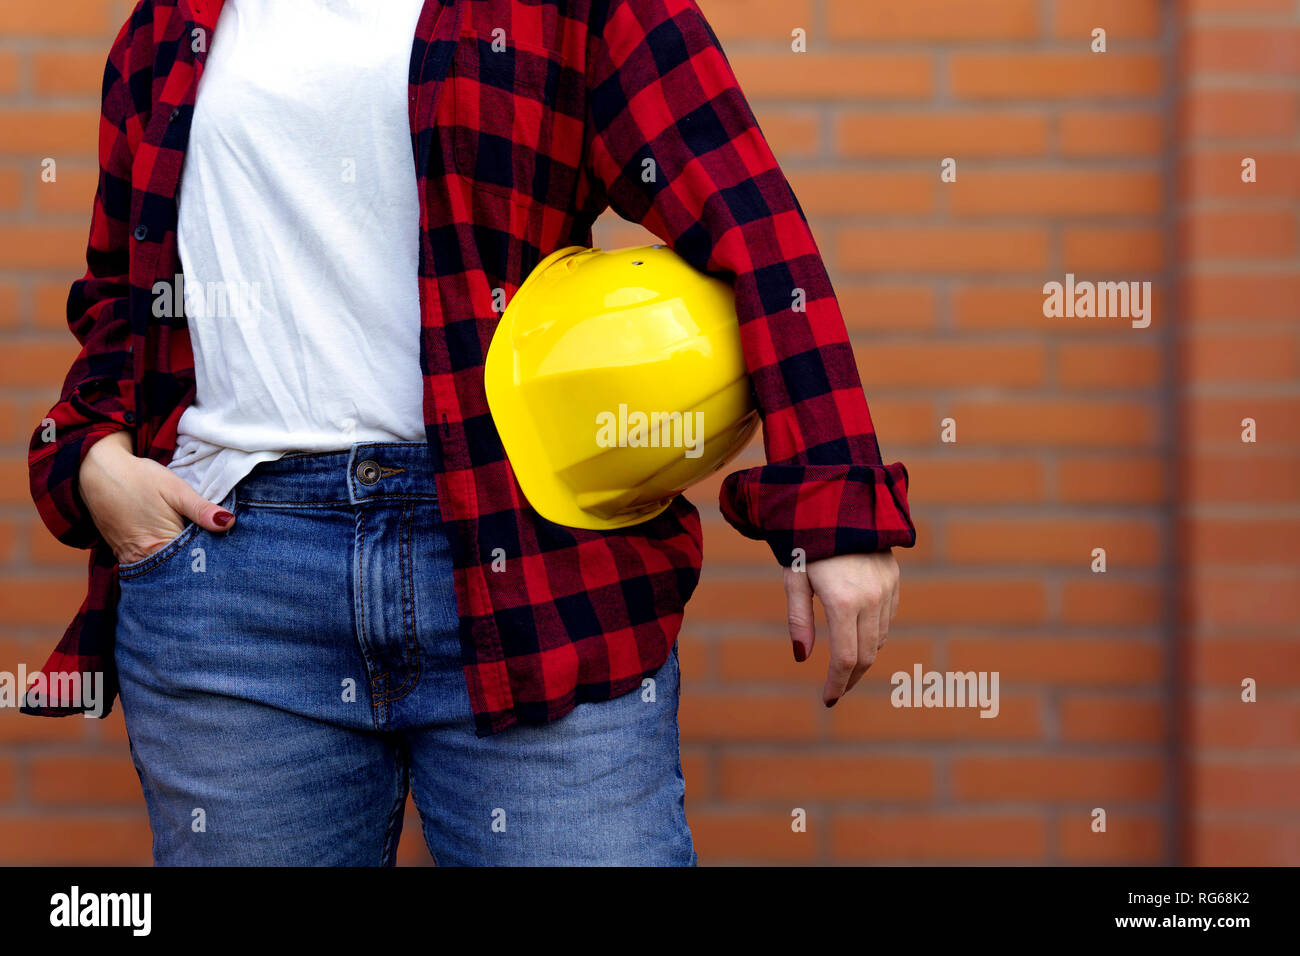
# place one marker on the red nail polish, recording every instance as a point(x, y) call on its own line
point(799, 654)
point(832, 702)
point(222, 518)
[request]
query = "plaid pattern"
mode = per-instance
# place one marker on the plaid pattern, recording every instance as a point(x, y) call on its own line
point(629, 104)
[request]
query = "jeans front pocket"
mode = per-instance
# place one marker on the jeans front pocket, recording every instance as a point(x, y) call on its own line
point(156, 559)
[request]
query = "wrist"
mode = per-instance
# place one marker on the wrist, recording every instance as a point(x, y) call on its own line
point(105, 449)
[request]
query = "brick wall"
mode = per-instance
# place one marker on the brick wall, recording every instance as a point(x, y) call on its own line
point(1119, 690)
point(1238, 278)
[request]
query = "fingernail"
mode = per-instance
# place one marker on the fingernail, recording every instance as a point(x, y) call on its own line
point(800, 655)
point(223, 518)
point(832, 702)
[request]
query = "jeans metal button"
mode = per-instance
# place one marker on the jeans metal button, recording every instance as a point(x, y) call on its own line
point(368, 472)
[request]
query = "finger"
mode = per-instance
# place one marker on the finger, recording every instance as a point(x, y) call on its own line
point(799, 614)
point(842, 620)
point(192, 505)
point(868, 629)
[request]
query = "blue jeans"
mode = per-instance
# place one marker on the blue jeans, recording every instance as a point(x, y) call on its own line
point(285, 682)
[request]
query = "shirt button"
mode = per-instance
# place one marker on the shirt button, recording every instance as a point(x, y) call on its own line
point(368, 472)
point(129, 417)
point(141, 231)
point(175, 113)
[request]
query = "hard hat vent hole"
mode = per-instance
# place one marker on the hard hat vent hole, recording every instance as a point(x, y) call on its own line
point(636, 262)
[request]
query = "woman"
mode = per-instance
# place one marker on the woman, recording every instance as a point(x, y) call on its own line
point(313, 573)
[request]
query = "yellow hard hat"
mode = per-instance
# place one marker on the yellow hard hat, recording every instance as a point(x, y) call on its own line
point(616, 381)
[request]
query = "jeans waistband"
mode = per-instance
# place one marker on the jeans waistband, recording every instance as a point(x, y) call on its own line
point(365, 472)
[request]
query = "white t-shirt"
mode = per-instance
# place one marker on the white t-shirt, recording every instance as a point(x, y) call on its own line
point(298, 235)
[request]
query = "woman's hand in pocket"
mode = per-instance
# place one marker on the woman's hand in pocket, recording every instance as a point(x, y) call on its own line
point(137, 504)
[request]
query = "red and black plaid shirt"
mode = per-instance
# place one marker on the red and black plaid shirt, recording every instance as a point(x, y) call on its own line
point(517, 152)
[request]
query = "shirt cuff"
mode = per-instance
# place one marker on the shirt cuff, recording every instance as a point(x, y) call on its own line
point(820, 511)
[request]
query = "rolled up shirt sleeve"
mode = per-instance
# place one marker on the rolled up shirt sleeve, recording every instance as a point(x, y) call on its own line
point(673, 145)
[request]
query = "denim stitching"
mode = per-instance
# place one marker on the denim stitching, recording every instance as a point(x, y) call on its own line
point(172, 548)
point(408, 610)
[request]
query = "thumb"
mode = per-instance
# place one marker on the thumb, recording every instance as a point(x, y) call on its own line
point(207, 514)
point(799, 616)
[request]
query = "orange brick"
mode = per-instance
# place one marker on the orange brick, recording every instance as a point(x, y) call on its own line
point(723, 599)
point(706, 715)
point(723, 544)
point(48, 131)
point(8, 73)
point(1233, 298)
point(1129, 252)
point(750, 660)
point(1094, 718)
point(938, 837)
point(94, 18)
point(1244, 842)
point(1121, 19)
point(50, 301)
point(1062, 423)
point(958, 600)
point(1239, 113)
point(8, 779)
point(1230, 723)
point(1215, 174)
point(1217, 421)
point(895, 307)
point(36, 363)
point(69, 72)
point(1136, 840)
point(823, 192)
point(697, 768)
point(73, 192)
point(8, 539)
point(976, 480)
point(46, 839)
point(993, 192)
point(1109, 365)
point(1073, 779)
point(952, 365)
point(1261, 478)
point(1006, 306)
point(904, 420)
point(1129, 542)
point(1070, 661)
point(1106, 599)
point(792, 134)
point(1250, 50)
point(1211, 7)
point(1038, 76)
point(725, 836)
point(757, 19)
point(834, 76)
point(84, 779)
point(1240, 784)
point(1111, 479)
point(1249, 358)
point(9, 305)
point(931, 20)
point(11, 190)
point(860, 717)
point(942, 249)
point(1240, 541)
point(1111, 133)
point(1233, 236)
point(31, 601)
point(44, 247)
point(1244, 597)
point(967, 134)
point(814, 778)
